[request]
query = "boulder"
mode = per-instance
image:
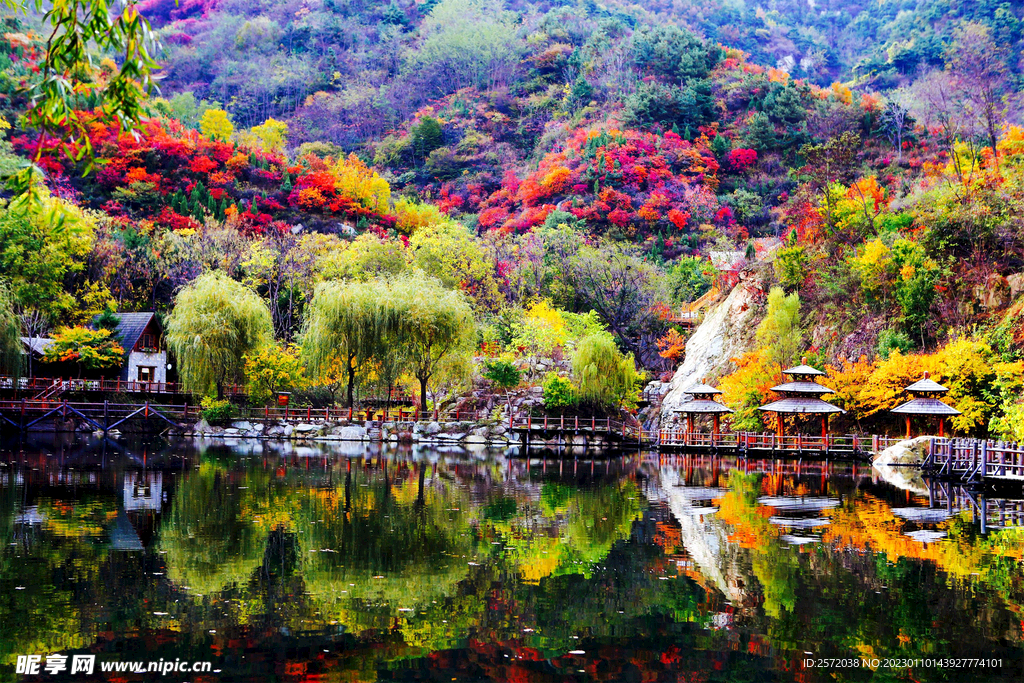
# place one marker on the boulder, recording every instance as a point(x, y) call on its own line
point(305, 428)
point(479, 431)
point(231, 431)
point(242, 426)
point(457, 436)
point(202, 427)
point(275, 432)
point(475, 439)
point(432, 428)
point(352, 433)
point(1016, 284)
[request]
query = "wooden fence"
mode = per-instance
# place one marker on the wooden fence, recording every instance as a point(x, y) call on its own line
point(765, 442)
point(975, 459)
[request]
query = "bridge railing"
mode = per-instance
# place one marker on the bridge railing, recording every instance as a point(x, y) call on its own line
point(39, 384)
point(834, 443)
point(976, 458)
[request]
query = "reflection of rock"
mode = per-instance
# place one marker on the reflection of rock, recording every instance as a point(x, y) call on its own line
point(704, 536)
point(894, 464)
point(726, 332)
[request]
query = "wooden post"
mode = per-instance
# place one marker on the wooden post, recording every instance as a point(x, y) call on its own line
point(106, 420)
point(778, 425)
point(689, 423)
point(714, 424)
point(908, 426)
point(824, 426)
point(942, 426)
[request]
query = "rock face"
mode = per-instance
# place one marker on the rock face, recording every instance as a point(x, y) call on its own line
point(726, 332)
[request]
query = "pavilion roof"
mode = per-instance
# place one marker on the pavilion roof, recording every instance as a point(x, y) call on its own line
point(925, 406)
point(803, 387)
point(801, 404)
point(701, 389)
point(703, 405)
point(927, 386)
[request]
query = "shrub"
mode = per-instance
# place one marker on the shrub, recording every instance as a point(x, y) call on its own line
point(218, 410)
point(558, 392)
point(893, 340)
point(502, 373)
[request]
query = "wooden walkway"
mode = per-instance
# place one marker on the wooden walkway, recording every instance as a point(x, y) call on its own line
point(832, 445)
point(975, 460)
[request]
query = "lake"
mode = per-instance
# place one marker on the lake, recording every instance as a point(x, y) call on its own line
point(346, 562)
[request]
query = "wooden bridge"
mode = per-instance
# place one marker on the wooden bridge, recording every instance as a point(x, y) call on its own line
point(975, 460)
point(689, 315)
point(25, 415)
point(829, 445)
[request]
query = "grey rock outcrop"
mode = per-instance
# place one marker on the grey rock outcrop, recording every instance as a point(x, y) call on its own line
point(726, 332)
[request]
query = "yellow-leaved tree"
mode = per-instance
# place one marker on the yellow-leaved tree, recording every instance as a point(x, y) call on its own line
point(216, 124)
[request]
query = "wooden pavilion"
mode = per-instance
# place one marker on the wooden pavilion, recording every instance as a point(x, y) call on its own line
point(703, 403)
point(802, 396)
point(926, 403)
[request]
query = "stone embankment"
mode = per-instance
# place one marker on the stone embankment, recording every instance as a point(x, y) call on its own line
point(479, 433)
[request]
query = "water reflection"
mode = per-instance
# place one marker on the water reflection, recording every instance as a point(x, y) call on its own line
point(293, 562)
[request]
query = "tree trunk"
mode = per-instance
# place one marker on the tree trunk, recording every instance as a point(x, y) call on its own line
point(351, 381)
point(423, 394)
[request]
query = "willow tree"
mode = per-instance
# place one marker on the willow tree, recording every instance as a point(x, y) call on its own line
point(779, 334)
point(216, 321)
point(353, 321)
point(10, 333)
point(604, 376)
point(434, 324)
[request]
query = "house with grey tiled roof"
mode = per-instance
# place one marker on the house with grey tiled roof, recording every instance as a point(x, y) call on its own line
point(142, 339)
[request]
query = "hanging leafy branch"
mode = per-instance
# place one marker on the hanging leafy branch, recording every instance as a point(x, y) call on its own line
point(79, 29)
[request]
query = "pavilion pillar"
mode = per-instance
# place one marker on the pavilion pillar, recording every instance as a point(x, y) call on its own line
point(942, 426)
point(778, 424)
point(714, 424)
point(908, 426)
point(689, 423)
point(824, 425)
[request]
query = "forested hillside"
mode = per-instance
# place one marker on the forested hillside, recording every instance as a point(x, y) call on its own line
point(575, 169)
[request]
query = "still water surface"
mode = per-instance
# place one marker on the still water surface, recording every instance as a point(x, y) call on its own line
point(349, 563)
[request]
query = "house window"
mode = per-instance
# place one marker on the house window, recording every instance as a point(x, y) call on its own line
point(146, 374)
point(148, 343)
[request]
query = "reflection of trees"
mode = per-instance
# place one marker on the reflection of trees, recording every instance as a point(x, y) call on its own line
point(569, 530)
point(211, 537)
point(47, 572)
point(375, 551)
point(868, 588)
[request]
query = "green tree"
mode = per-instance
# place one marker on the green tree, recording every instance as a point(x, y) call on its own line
point(435, 324)
point(10, 333)
point(604, 376)
point(88, 349)
point(354, 320)
point(215, 323)
point(271, 369)
point(688, 279)
point(779, 334)
point(42, 244)
point(427, 135)
point(503, 374)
